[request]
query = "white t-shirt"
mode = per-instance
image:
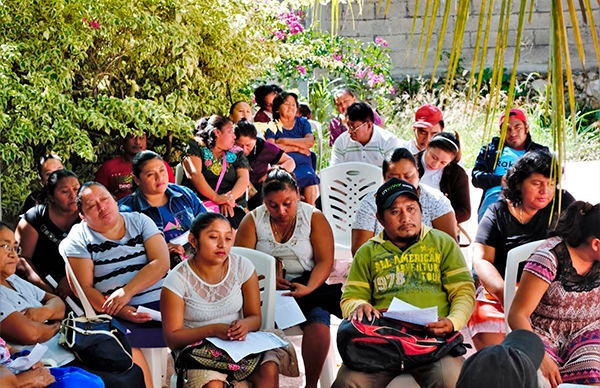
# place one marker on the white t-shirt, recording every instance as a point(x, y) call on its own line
point(409, 145)
point(431, 178)
point(24, 296)
point(206, 304)
point(382, 143)
point(434, 204)
point(116, 262)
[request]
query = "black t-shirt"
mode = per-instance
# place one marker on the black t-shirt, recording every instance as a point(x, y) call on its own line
point(46, 258)
point(501, 230)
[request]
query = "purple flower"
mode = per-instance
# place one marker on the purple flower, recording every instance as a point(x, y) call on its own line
point(280, 35)
point(301, 69)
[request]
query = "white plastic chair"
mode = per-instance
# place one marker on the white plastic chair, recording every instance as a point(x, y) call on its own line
point(515, 257)
point(265, 262)
point(264, 265)
point(317, 128)
point(342, 188)
point(179, 173)
point(567, 385)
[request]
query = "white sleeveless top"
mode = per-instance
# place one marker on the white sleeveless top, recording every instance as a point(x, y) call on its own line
point(296, 253)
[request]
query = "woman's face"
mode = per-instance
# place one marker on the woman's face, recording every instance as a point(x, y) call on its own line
point(8, 261)
point(537, 191)
point(65, 193)
point(154, 178)
point(214, 242)
point(269, 102)
point(240, 111)
point(405, 170)
point(225, 136)
point(246, 143)
point(282, 205)
point(289, 108)
point(437, 158)
point(100, 210)
point(48, 168)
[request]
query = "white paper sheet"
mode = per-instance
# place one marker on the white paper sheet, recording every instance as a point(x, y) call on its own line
point(406, 312)
point(256, 342)
point(182, 239)
point(155, 315)
point(287, 311)
point(23, 364)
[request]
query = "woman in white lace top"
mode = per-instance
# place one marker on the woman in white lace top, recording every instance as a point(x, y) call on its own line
point(300, 237)
point(213, 294)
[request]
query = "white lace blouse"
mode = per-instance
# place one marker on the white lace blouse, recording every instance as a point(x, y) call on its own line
point(206, 303)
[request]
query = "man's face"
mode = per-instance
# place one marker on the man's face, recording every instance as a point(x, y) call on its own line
point(423, 135)
point(134, 144)
point(343, 101)
point(360, 131)
point(516, 134)
point(402, 220)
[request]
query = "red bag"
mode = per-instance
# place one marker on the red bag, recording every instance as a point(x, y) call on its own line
point(385, 344)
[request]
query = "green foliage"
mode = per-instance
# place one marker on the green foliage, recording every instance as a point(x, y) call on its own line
point(77, 75)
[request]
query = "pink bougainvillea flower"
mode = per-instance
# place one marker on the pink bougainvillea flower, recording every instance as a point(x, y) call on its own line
point(301, 69)
point(381, 41)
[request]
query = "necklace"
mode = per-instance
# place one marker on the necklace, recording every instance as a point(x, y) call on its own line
point(286, 234)
point(223, 273)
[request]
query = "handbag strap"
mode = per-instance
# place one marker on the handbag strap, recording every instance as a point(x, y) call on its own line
point(87, 306)
point(223, 169)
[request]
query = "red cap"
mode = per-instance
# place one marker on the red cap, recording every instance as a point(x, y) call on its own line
point(427, 116)
point(516, 113)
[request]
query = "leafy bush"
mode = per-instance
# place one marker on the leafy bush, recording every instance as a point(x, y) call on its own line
point(77, 75)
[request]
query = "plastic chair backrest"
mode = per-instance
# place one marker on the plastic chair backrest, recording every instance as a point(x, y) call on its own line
point(87, 306)
point(515, 257)
point(317, 128)
point(179, 173)
point(342, 188)
point(264, 265)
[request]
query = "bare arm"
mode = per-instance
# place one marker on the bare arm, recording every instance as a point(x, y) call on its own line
point(83, 268)
point(241, 184)
point(321, 237)
point(447, 223)
point(27, 238)
point(305, 143)
point(176, 337)
point(483, 261)
point(359, 237)
point(53, 309)
point(246, 233)
point(286, 162)
point(192, 166)
point(21, 330)
point(530, 292)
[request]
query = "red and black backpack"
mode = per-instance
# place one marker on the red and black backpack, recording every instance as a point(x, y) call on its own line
point(385, 344)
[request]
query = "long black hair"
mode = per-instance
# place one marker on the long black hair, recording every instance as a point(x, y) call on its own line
point(203, 221)
point(580, 221)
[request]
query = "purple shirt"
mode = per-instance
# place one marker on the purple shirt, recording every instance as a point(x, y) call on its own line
point(336, 128)
point(263, 155)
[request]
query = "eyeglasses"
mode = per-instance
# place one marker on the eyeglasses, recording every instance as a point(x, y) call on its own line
point(354, 129)
point(9, 248)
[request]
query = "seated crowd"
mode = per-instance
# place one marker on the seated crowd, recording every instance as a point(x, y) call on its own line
point(135, 238)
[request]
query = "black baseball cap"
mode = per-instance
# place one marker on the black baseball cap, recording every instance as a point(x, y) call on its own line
point(390, 190)
point(513, 363)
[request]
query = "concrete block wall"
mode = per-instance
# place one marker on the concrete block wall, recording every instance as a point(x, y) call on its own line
point(396, 29)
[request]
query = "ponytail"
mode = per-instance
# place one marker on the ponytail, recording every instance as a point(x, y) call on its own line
point(580, 221)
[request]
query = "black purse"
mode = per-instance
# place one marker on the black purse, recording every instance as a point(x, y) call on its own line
point(97, 341)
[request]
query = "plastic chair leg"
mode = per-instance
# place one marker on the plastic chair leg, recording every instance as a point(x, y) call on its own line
point(157, 361)
point(329, 370)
